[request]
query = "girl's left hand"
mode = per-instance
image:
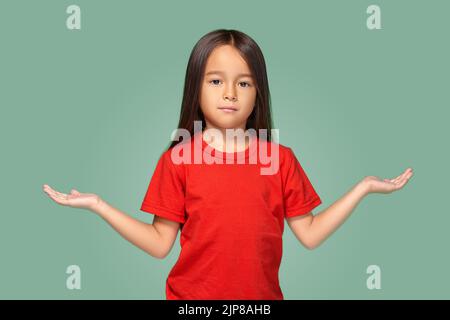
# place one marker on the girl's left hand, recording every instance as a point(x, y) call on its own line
point(377, 185)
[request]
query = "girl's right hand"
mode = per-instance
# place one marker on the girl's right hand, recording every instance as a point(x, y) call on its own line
point(75, 199)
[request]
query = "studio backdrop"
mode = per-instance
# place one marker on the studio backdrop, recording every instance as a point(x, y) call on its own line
point(90, 92)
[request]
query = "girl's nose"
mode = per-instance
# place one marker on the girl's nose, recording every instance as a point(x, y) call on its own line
point(229, 93)
point(229, 96)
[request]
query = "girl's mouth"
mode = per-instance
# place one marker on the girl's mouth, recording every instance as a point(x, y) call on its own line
point(228, 109)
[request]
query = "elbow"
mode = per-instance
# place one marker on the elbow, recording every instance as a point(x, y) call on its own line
point(311, 245)
point(158, 255)
point(312, 242)
point(162, 256)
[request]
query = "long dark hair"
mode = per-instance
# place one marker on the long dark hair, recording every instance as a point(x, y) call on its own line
point(260, 118)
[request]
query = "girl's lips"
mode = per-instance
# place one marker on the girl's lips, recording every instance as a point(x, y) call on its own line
point(228, 109)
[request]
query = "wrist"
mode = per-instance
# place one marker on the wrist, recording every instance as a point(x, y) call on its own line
point(364, 187)
point(99, 206)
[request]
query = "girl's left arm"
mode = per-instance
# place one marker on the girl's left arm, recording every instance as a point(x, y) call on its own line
point(313, 230)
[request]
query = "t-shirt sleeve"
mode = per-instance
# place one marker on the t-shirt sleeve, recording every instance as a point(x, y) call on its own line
point(165, 193)
point(299, 194)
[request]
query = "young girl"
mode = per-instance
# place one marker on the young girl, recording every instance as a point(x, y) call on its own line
point(231, 215)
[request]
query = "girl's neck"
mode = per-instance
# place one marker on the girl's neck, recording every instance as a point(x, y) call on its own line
point(231, 142)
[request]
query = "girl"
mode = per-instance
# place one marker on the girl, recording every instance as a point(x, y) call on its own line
point(231, 216)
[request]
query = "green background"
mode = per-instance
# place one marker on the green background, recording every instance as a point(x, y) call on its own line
point(93, 109)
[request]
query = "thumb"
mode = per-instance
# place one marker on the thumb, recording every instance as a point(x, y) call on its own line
point(74, 191)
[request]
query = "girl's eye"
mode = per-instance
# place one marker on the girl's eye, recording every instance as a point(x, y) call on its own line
point(215, 83)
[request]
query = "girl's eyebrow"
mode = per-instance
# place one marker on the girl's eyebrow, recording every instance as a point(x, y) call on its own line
point(221, 72)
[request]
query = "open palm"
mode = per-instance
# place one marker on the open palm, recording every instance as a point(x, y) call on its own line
point(377, 185)
point(74, 199)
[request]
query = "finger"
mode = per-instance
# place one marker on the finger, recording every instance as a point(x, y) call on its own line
point(401, 183)
point(56, 194)
point(49, 191)
point(52, 194)
point(406, 175)
point(402, 176)
point(405, 179)
point(61, 195)
point(58, 199)
point(394, 180)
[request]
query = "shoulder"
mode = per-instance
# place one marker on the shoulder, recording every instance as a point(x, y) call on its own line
point(280, 156)
point(168, 161)
point(285, 153)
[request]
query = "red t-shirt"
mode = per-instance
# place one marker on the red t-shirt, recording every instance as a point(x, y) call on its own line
point(232, 219)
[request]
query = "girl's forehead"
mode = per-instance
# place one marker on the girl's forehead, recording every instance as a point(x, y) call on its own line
point(226, 60)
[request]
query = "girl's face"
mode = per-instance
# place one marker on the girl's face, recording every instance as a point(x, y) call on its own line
point(227, 82)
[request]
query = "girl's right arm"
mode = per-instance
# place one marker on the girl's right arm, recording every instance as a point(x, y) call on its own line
point(141, 234)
